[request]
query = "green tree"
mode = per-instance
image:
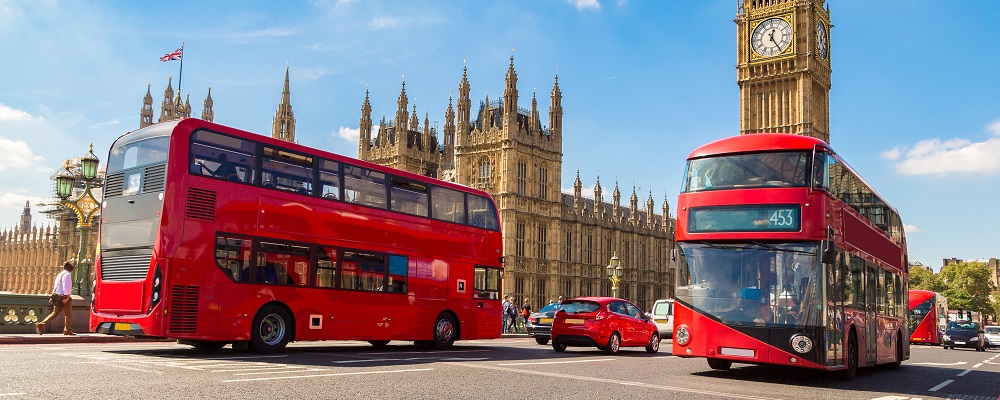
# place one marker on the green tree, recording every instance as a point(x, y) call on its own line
point(924, 279)
point(969, 286)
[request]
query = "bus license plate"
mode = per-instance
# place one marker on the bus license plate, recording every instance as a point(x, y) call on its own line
point(545, 320)
point(574, 321)
point(122, 327)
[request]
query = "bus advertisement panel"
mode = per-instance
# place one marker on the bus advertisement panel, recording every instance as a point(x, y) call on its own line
point(785, 256)
point(214, 235)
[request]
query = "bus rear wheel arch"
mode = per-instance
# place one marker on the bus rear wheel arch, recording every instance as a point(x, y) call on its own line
point(272, 329)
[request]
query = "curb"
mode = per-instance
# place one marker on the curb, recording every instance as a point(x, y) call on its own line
point(58, 338)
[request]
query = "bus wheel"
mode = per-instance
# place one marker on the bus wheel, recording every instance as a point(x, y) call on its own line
point(719, 364)
point(541, 340)
point(614, 344)
point(206, 345)
point(270, 330)
point(444, 332)
point(899, 353)
point(379, 343)
point(654, 343)
point(852, 358)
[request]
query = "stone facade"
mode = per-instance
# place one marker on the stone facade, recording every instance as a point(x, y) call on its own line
point(784, 80)
point(555, 244)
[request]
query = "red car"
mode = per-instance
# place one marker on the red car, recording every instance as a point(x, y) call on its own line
point(605, 322)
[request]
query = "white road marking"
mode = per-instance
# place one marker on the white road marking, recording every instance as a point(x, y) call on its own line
point(615, 381)
point(942, 364)
point(965, 372)
point(135, 369)
point(943, 384)
point(12, 394)
point(977, 365)
point(896, 398)
point(558, 362)
point(259, 368)
point(282, 372)
point(429, 352)
point(328, 375)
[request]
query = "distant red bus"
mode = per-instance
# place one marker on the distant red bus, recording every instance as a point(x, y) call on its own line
point(928, 316)
point(786, 256)
point(214, 235)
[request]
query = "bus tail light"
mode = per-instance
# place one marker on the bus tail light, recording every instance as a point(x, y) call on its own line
point(682, 335)
point(154, 298)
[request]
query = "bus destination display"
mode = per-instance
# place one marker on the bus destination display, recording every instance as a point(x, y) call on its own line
point(746, 218)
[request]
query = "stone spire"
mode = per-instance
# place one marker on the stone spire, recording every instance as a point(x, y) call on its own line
point(448, 158)
point(414, 121)
point(207, 113)
point(633, 206)
point(464, 104)
point(534, 114)
point(598, 199)
point(284, 118)
point(401, 115)
point(26, 217)
point(666, 213)
point(187, 106)
point(649, 209)
point(617, 198)
point(365, 125)
point(167, 108)
point(577, 192)
point(146, 113)
point(510, 98)
point(556, 110)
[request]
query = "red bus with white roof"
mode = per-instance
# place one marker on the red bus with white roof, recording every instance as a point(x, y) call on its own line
point(928, 316)
point(213, 235)
point(786, 256)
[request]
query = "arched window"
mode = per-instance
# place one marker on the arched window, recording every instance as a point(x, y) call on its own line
point(484, 171)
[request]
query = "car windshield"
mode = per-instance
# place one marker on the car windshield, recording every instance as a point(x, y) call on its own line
point(963, 326)
point(550, 307)
point(576, 307)
point(993, 329)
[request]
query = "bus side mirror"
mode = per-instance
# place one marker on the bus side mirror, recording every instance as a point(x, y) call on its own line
point(829, 252)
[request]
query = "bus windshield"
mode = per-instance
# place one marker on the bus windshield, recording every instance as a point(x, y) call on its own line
point(919, 312)
point(139, 153)
point(754, 170)
point(756, 284)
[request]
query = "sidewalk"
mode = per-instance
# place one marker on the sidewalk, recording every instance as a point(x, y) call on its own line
point(59, 338)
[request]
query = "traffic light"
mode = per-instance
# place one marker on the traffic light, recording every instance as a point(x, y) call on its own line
point(960, 314)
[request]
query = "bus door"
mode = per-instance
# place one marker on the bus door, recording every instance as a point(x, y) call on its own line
point(871, 313)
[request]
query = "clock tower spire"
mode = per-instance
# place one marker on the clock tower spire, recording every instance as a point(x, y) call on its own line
point(783, 67)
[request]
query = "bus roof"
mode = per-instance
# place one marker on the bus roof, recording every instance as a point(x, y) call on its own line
point(757, 142)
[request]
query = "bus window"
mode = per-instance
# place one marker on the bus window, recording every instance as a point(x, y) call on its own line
point(447, 204)
point(409, 197)
point(487, 283)
point(329, 180)
point(326, 267)
point(286, 171)
point(398, 269)
point(222, 157)
point(363, 271)
point(138, 154)
point(481, 213)
point(364, 186)
point(232, 255)
point(282, 264)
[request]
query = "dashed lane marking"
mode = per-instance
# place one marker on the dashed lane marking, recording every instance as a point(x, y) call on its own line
point(941, 385)
point(558, 362)
point(329, 375)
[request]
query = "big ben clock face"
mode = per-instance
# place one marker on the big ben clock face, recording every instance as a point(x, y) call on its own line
point(822, 41)
point(771, 37)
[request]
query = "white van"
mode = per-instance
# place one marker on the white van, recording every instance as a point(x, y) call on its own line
point(663, 315)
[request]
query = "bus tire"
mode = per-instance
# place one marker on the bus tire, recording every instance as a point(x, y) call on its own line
point(719, 364)
point(654, 343)
point(445, 332)
point(271, 330)
point(378, 344)
point(851, 371)
point(541, 340)
point(614, 343)
point(899, 353)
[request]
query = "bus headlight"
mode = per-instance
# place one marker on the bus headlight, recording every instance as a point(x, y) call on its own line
point(802, 344)
point(682, 335)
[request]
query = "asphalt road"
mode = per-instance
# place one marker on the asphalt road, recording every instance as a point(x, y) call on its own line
point(509, 368)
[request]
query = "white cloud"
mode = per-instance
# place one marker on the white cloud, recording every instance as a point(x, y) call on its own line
point(12, 203)
point(349, 134)
point(585, 4)
point(910, 228)
point(994, 127)
point(17, 155)
point(16, 114)
point(942, 157)
point(585, 191)
point(106, 123)
point(892, 154)
point(312, 74)
point(384, 22)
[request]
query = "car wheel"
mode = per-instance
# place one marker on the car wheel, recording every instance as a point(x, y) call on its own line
point(557, 346)
point(614, 344)
point(719, 364)
point(379, 343)
point(444, 332)
point(654, 343)
point(271, 331)
point(541, 340)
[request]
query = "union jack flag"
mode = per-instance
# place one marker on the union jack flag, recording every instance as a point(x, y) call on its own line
point(175, 55)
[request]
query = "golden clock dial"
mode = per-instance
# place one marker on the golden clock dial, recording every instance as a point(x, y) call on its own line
point(822, 41)
point(771, 37)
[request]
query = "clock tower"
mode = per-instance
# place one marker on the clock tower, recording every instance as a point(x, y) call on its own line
point(783, 67)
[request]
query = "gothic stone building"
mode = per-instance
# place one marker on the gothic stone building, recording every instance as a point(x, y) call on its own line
point(555, 244)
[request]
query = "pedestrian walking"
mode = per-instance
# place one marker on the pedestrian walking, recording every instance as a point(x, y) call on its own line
point(61, 300)
point(526, 311)
point(505, 314)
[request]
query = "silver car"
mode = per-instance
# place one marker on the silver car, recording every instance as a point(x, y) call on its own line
point(993, 335)
point(663, 316)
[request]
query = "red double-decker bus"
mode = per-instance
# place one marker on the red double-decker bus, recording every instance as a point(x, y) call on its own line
point(214, 235)
point(928, 316)
point(785, 256)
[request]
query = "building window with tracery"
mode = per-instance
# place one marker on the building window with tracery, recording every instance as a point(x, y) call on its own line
point(542, 241)
point(568, 246)
point(590, 249)
point(543, 182)
point(519, 239)
point(484, 172)
point(522, 178)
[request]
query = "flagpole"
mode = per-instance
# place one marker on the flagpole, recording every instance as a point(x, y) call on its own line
point(180, 75)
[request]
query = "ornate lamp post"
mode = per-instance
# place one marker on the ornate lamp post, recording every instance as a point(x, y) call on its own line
point(86, 207)
point(614, 274)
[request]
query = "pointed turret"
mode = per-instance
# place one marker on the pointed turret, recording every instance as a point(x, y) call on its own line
point(207, 113)
point(633, 206)
point(556, 111)
point(617, 198)
point(167, 108)
point(146, 113)
point(414, 122)
point(510, 98)
point(187, 106)
point(464, 104)
point(401, 115)
point(534, 123)
point(666, 213)
point(649, 209)
point(284, 119)
point(577, 192)
point(448, 158)
point(598, 199)
point(365, 129)
point(26, 217)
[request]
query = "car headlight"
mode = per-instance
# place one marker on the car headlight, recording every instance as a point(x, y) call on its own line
point(802, 344)
point(682, 335)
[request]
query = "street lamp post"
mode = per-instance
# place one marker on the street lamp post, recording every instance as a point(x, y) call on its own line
point(86, 207)
point(614, 274)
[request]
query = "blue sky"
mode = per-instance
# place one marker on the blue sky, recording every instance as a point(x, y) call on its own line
point(914, 104)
